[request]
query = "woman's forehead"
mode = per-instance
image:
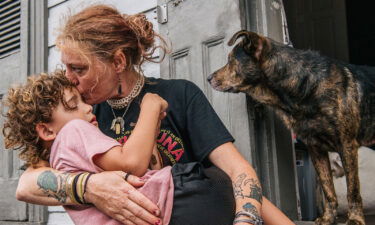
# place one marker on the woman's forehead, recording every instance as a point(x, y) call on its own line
point(71, 57)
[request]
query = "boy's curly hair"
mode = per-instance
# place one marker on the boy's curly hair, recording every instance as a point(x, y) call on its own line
point(28, 105)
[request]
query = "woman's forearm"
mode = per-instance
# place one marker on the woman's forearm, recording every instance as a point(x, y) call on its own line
point(43, 186)
point(107, 191)
point(246, 187)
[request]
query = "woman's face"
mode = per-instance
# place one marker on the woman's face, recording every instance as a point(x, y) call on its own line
point(96, 81)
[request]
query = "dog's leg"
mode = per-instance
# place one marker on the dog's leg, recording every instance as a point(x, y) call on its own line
point(350, 163)
point(323, 168)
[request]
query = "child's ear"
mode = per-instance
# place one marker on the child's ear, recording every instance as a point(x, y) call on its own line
point(45, 132)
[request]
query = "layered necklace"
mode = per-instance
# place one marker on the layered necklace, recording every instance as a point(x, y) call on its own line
point(118, 122)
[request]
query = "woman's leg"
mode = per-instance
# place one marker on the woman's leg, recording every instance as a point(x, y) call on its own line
point(272, 215)
point(202, 196)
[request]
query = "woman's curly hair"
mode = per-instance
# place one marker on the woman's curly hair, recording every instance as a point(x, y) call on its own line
point(28, 105)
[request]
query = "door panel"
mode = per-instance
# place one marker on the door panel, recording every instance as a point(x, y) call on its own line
point(199, 31)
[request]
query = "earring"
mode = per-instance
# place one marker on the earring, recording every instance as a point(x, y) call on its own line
point(119, 90)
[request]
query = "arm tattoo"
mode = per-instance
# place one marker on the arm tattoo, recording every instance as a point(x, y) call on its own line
point(237, 186)
point(53, 185)
point(250, 208)
point(255, 190)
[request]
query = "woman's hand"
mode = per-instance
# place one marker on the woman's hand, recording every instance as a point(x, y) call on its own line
point(119, 199)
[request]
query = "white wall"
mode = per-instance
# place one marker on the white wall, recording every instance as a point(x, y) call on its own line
point(60, 8)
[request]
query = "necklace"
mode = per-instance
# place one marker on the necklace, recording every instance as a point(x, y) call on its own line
point(118, 122)
point(124, 102)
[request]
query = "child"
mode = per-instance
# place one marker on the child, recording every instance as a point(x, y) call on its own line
point(49, 120)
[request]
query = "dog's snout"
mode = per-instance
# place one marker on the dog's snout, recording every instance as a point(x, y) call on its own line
point(209, 78)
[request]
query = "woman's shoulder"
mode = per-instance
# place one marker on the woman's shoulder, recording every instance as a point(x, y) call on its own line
point(172, 85)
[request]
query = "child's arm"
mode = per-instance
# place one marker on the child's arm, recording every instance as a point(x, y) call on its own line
point(134, 156)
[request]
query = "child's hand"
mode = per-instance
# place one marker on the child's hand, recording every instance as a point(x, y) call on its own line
point(151, 100)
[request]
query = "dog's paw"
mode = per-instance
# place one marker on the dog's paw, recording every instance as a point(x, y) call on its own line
point(355, 222)
point(325, 220)
point(358, 220)
point(355, 217)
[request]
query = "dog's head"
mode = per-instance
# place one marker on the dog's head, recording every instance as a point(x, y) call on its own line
point(243, 69)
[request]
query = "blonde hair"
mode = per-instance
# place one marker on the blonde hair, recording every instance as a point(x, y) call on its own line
point(101, 30)
point(28, 105)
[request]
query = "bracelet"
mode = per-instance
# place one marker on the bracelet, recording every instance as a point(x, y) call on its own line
point(250, 221)
point(254, 219)
point(248, 214)
point(69, 187)
point(76, 187)
point(84, 187)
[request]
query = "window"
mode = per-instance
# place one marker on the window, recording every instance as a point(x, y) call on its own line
point(10, 27)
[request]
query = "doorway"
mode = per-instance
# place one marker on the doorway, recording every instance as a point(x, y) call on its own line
point(340, 29)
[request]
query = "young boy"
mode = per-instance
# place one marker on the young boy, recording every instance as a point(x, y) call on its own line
point(49, 121)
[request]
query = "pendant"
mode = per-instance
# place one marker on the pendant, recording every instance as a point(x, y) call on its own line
point(118, 125)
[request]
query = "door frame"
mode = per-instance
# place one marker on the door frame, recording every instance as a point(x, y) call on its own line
point(273, 155)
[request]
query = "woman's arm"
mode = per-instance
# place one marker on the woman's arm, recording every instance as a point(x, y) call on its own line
point(107, 191)
point(246, 186)
point(43, 185)
point(134, 156)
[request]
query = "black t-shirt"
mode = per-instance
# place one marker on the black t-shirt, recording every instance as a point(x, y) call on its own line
point(191, 129)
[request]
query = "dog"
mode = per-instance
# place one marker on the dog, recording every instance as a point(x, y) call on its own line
point(329, 104)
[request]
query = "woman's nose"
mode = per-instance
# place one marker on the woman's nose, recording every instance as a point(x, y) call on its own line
point(72, 77)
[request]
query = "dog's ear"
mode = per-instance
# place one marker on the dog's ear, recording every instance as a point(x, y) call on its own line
point(236, 36)
point(254, 44)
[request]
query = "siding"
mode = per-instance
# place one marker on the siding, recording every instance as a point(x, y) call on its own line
point(57, 10)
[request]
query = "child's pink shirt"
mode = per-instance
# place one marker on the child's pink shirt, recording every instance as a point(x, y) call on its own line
point(73, 150)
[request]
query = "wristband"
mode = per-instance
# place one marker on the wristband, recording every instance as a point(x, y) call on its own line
point(250, 221)
point(69, 187)
point(75, 188)
point(254, 219)
point(84, 187)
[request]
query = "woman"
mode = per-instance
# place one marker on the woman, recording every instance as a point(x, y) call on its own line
point(103, 52)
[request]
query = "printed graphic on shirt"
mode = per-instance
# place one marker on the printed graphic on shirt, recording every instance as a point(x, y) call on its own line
point(170, 146)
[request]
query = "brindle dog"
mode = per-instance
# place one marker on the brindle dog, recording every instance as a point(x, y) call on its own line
point(328, 103)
